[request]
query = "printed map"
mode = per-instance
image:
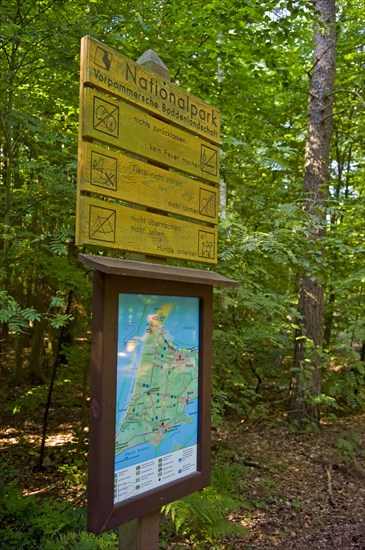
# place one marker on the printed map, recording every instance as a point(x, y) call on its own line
point(157, 389)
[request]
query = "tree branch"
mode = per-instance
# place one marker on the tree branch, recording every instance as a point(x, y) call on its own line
point(353, 92)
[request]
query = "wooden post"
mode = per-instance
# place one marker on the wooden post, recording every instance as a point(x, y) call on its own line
point(143, 533)
point(128, 535)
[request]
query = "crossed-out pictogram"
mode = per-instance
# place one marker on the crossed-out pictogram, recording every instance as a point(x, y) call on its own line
point(207, 203)
point(103, 171)
point(105, 117)
point(102, 224)
point(209, 160)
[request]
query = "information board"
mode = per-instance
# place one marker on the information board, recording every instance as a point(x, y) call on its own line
point(150, 388)
point(145, 142)
point(156, 435)
point(114, 122)
point(112, 174)
point(109, 70)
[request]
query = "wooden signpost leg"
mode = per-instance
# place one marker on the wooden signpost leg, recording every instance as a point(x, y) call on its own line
point(148, 531)
point(141, 534)
point(128, 535)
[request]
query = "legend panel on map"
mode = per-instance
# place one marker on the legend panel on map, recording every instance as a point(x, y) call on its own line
point(135, 480)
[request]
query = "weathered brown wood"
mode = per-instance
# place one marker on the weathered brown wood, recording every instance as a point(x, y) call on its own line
point(148, 531)
point(115, 266)
point(128, 535)
point(111, 225)
point(141, 533)
point(108, 173)
point(104, 68)
point(114, 122)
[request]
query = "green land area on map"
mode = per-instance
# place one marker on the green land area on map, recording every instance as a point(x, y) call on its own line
point(166, 383)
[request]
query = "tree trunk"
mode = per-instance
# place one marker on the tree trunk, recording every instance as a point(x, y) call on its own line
point(306, 379)
point(329, 318)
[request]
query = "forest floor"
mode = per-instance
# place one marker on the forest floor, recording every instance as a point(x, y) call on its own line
point(299, 490)
point(306, 490)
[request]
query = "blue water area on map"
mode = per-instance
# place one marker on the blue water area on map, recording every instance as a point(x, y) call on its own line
point(183, 436)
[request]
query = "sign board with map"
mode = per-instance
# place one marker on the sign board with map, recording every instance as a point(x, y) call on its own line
point(150, 388)
point(148, 175)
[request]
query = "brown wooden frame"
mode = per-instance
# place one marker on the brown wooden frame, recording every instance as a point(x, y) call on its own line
point(102, 513)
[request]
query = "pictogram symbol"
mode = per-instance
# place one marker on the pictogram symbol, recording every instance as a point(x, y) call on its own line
point(207, 203)
point(103, 171)
point(209, 160)
point(206, 244)
point(106, 117)
point(102, 223)
point(103, 58)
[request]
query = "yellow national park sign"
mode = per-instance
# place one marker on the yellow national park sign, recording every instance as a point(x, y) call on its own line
point(104, 68)
point(112, 225)
point(117, 123)
point(116, 175)
point(144, 143)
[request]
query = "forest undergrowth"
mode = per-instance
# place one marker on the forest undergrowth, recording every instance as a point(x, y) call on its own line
point(272, 486)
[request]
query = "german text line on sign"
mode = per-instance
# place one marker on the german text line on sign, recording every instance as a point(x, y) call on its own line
point(109, 70)
point(116, 123)
point(115, 226)
point(116, 175)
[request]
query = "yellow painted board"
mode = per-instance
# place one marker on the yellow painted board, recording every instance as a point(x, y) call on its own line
point(116, 175)
point(109, 70)
point(115, 226)
point(117, 123)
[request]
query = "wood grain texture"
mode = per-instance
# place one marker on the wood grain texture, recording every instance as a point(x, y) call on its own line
point(121, 177)
point(117, 123)
point(107, 69)
point(111, 225)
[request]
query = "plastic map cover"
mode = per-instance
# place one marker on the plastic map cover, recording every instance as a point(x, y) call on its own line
point(157, 392)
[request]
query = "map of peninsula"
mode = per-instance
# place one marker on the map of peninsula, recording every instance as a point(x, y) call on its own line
point(157, 381)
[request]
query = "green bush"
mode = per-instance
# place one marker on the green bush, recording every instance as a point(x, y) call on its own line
point(202, 517)
point(28, 522)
